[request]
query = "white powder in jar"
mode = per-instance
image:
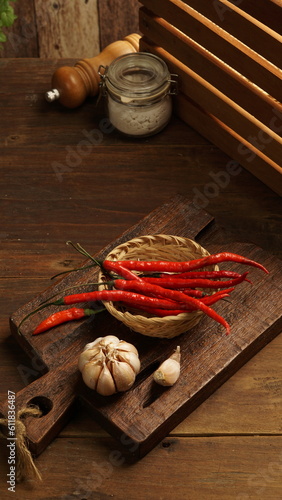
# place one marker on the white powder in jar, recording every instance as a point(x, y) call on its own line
point(140, 120)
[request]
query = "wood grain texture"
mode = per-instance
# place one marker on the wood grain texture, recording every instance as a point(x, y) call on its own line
point(95, 468)
point(267, 12)
point(67, 29)
point(242, 91)
point(227, 48)
point(22, 36)
point(117, 18)
point(217, 104)
point(251, 30)
point(235, 448)
point(231, 142)
point(257, 385)
point(215, 96)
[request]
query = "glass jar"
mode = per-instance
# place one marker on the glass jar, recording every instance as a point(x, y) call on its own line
point(138, 90)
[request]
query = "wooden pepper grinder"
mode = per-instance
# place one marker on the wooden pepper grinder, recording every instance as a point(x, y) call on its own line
point(71, 85)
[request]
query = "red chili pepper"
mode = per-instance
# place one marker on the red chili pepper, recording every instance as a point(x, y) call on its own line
point(161, 313)
point(129, 297)
point(199, 274)
point(110, 265)
point(125, 294)
point(191, 292)
point(62, 317)
point(181, 298)
point(174, 312)
point(181, 267)
point(220, 292)
point(169, 282)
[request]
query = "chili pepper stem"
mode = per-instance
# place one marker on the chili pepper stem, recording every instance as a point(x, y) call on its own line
point(84, 252)
point(72, 271)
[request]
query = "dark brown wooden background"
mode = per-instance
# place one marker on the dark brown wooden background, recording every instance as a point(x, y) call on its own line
point(68, 28)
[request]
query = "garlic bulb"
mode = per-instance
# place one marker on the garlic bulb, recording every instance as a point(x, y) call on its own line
point(168, 372)
point(109, 365)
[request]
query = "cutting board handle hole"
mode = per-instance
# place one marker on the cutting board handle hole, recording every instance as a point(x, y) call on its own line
point(43, 403)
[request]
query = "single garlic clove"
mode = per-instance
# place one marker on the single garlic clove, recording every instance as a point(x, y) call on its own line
point(129, 357)
point(105, 385)
point(126, 346)
point(123, 374)
point(169, 371)
point(91, 372)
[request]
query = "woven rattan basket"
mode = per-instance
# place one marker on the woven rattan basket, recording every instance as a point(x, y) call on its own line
point(156, 247)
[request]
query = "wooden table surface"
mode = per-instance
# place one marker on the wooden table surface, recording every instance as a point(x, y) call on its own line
point(58, 186)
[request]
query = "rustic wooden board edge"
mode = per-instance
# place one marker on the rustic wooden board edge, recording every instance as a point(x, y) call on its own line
point(133, 449)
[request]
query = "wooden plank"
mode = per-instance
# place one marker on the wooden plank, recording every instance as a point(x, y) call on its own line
point(117, 19)
point(224, 46)
point(254, 390)
point(233, 144)
point(67, 29)
point(219, 105)
point(22, 36)
point(180, 468)
point(247, 29)
point(224, 78)
point(268, 12)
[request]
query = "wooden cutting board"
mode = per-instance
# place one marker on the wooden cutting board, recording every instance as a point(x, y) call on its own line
point(143, 416)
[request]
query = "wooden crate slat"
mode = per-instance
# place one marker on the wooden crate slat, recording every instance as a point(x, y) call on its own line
point(238, 23)
point(224, 46)
point(218, 104)
point(231, 143)
point(223, 77)
point(267, 12)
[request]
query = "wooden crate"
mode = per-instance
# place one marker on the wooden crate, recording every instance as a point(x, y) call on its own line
point(228, 57)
